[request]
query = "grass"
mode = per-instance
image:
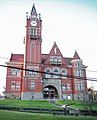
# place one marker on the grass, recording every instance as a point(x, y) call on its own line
point(45, 104)
point(13, 115)
point(79, 104)
point(27, 103)
point(10, 115)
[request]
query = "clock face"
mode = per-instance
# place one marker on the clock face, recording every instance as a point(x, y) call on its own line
point(33, 23)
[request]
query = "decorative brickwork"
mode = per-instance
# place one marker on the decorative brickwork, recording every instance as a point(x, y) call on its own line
point(64, 78)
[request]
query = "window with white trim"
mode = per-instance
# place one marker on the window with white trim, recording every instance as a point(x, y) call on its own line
point(56, 72)
point(80, 86)
point(78, 64)
point(33, 72)
point(66, 87)
point(64, 72)
point(55, 60)
point(15, 86)
point(15, 72)
point(78, 73)
point(32, 85)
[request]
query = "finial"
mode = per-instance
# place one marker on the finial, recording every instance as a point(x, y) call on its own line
point(54, 43)
point(33, 2)
point(75, 50)
point(33, 9)
point(39, 16)
point(26, 15)
point(24, 40)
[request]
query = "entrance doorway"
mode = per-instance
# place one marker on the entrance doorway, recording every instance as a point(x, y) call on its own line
point(50, 92)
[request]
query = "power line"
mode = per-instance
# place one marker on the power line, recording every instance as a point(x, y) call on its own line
point(61, 75)
point(91, 70)
point(40, 63)
point(74, 31)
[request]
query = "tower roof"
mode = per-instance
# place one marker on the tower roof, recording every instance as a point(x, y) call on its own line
point(76, 56)
point(33, 11)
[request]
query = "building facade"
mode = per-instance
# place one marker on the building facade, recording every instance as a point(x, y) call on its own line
point(35, 75)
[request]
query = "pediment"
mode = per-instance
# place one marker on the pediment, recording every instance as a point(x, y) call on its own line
point(55, 56)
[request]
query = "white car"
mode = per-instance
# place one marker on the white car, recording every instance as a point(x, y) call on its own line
point(64, 106)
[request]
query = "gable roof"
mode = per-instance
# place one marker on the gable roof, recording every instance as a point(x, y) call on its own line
point(45, 57)
point(68, 60)
point(55, 52)
point(76, 56)
point(17, 57)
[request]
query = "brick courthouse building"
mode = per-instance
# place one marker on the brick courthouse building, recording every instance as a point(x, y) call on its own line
point(64, 78)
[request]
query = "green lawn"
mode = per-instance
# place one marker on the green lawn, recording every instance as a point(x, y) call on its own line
point(79, 104)
point(27, 103)
point(46, 104)
point(10, 115)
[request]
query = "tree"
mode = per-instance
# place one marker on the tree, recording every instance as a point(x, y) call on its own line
point(91, 94)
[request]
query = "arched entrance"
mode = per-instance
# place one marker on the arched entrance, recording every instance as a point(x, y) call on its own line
point(50, 92)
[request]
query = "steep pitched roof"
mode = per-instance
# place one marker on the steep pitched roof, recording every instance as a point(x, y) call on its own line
point(44, 57)
point(68, 60)
point(55, 52)
point(33, 11)
point(76, 56)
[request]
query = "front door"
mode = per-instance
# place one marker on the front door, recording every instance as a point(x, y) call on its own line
point(50, 92)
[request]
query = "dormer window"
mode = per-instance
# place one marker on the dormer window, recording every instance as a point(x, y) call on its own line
point(55, 60)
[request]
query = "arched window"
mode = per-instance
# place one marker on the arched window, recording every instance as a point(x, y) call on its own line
point(56, 71)
point(48, 71)
point(33, 31)
point(64, 72)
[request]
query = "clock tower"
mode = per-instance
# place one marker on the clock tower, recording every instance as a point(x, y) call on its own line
point(33, 38)
point(32, 85)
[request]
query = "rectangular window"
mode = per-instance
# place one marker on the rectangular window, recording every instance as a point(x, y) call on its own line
point(79, 86)
point(33, 31)
point(78, 73)
point(12, 87)
point(15, 86)
point(63, 87)
point(55, 60)
point(30, 73)
point(32, 85)
point(33, 73)
point(15, 72)
point(68, 86)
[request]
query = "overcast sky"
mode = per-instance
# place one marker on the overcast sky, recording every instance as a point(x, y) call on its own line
point(71, 23)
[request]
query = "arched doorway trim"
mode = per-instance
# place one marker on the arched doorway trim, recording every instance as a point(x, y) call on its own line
point(50, 92)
